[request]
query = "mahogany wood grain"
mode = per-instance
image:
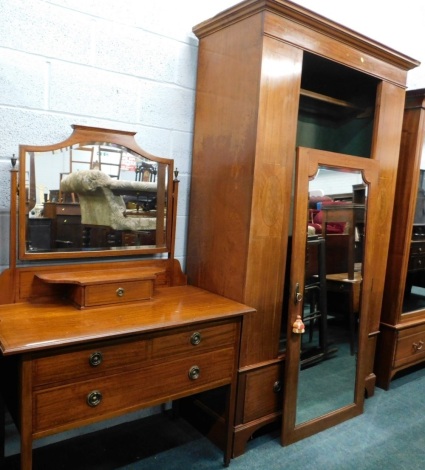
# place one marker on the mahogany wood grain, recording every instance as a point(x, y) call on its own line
point(182, 342)
point(247, 99)
point(27, 327)
point(23, 284)
point(395, 352)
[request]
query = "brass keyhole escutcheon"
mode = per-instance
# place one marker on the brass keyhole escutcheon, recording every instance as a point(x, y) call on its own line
point(120, 292)
point(194, 373)
point(195, 339)
point(96, 359)
point(94, 398)
point(298, 297)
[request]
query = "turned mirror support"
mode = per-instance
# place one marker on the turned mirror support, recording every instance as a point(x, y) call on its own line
point(14, 172)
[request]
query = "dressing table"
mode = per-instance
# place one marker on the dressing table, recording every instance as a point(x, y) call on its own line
point(117, 330)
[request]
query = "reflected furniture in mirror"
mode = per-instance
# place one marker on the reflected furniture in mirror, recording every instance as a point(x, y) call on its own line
point(298, 79)
point(402, 338)
point(85, 336)
point(331, 389)
point(130, 211)
point(351, 215)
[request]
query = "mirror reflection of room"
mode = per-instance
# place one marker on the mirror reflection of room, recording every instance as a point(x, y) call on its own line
point(93, 196)
point(331, 309)
point(414, 292)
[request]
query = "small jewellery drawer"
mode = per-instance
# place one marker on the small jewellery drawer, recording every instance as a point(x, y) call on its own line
point(111, 293)
point(410, 346)
point(118, 292)
point(89, 400)
point(92, 361)
point(193, 340)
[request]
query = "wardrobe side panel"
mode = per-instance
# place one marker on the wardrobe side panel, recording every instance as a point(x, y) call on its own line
point(229, 67)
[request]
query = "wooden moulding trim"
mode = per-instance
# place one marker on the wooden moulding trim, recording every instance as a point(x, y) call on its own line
point(404, 325)
point(308, 18)
point(260, 365)
point(415, 99)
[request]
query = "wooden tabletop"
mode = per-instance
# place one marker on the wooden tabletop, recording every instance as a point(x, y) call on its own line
point(28, 327)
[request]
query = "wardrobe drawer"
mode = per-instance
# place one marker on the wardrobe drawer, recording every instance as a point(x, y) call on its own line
point(91, 400)
point(193, 340)
point(410, 346)
point(89, 361)
point(263, 391)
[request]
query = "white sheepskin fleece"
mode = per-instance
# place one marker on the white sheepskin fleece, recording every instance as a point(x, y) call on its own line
point(100, 206)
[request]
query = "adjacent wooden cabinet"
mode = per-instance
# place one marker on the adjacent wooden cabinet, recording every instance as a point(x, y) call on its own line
point(402, 339)
point(273, 76)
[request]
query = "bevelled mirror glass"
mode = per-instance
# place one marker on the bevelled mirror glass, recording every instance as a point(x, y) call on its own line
point(95, 194)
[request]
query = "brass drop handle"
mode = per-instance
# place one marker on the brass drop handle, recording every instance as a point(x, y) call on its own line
point(195, 339)
point(94, 398)
point(418, 346)
point(96, 359)
point(298, 297)
point(120, 292)
point(194, 373)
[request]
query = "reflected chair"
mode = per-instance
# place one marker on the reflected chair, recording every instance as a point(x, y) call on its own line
point(315, 302)
point(101, 201)
point(349, 282)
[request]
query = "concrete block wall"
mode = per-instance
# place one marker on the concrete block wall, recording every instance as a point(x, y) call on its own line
point(123, 65)
point(131, 65)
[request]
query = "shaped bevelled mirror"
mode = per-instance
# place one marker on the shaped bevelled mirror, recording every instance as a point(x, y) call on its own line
point(95, 194)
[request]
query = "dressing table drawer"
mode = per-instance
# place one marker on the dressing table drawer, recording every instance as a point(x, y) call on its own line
point(194, 340)
point(119, 292)
point(111, 293)
point(86, 401)
point(92, 361)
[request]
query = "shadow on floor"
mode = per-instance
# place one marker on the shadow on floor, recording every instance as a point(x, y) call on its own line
point(115, 447)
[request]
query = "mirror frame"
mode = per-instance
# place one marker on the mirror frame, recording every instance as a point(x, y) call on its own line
point(308, 161)
point(83, 135)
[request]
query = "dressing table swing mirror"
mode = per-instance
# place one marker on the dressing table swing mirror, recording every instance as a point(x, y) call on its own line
point(96, 317)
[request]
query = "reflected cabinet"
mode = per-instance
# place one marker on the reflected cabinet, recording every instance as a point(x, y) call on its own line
point(296, 142)
point(402, 339)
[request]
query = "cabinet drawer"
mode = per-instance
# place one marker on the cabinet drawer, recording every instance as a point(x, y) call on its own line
point(111, 293)
point(410, 346)
point(193, 340)
point(68, 209)
point(68, 405)
point(263, 391)
point(118, 292)
point(416, 263)
point(417, 248)
point(99, 359)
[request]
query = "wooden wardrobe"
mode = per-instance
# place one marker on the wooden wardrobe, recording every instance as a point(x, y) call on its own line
point(402, 340)
point(273, 76)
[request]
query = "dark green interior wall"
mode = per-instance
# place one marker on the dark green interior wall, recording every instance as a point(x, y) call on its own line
point(350, 136)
